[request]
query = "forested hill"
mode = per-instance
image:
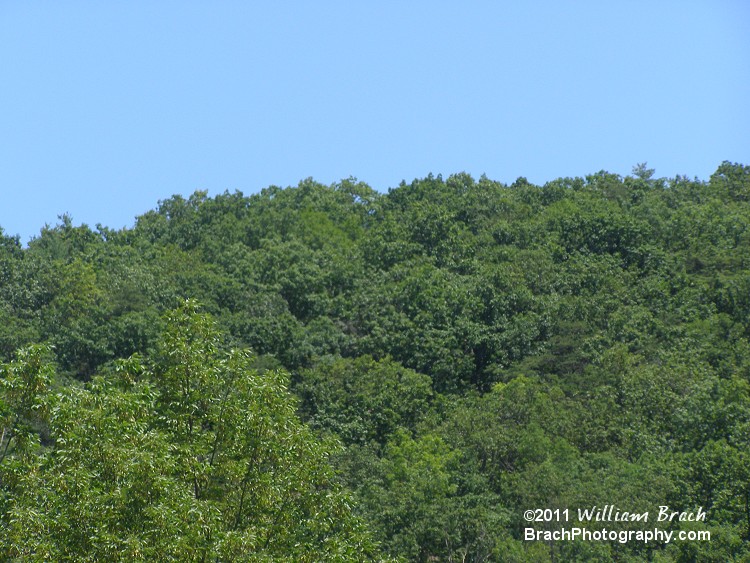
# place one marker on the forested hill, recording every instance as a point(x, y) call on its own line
point(357, 375)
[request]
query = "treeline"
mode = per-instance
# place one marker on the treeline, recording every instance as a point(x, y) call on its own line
point(359, 375)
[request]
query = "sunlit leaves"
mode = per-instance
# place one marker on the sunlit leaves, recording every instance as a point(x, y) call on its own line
point(190, 455)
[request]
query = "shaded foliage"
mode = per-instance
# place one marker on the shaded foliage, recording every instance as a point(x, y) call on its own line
point(478, 349)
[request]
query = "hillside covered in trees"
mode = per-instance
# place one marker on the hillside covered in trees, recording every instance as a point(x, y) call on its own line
point(326, 373)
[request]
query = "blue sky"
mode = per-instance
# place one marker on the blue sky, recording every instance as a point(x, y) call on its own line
point(108, 107)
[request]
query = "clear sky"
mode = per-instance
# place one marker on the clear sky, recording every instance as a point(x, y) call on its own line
point(108, 107)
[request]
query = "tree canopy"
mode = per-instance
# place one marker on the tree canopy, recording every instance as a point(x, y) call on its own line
point(322, 373)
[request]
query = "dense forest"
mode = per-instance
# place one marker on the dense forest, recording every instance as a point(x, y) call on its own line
point(329, 373)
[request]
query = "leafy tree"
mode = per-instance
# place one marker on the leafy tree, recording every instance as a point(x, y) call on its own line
point(476, 347)
point(364, 400)
point(191, 456)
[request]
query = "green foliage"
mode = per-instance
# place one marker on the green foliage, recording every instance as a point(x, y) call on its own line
point(193, 455)
point(475, 349)
point(364, 400)
point(24, 404)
